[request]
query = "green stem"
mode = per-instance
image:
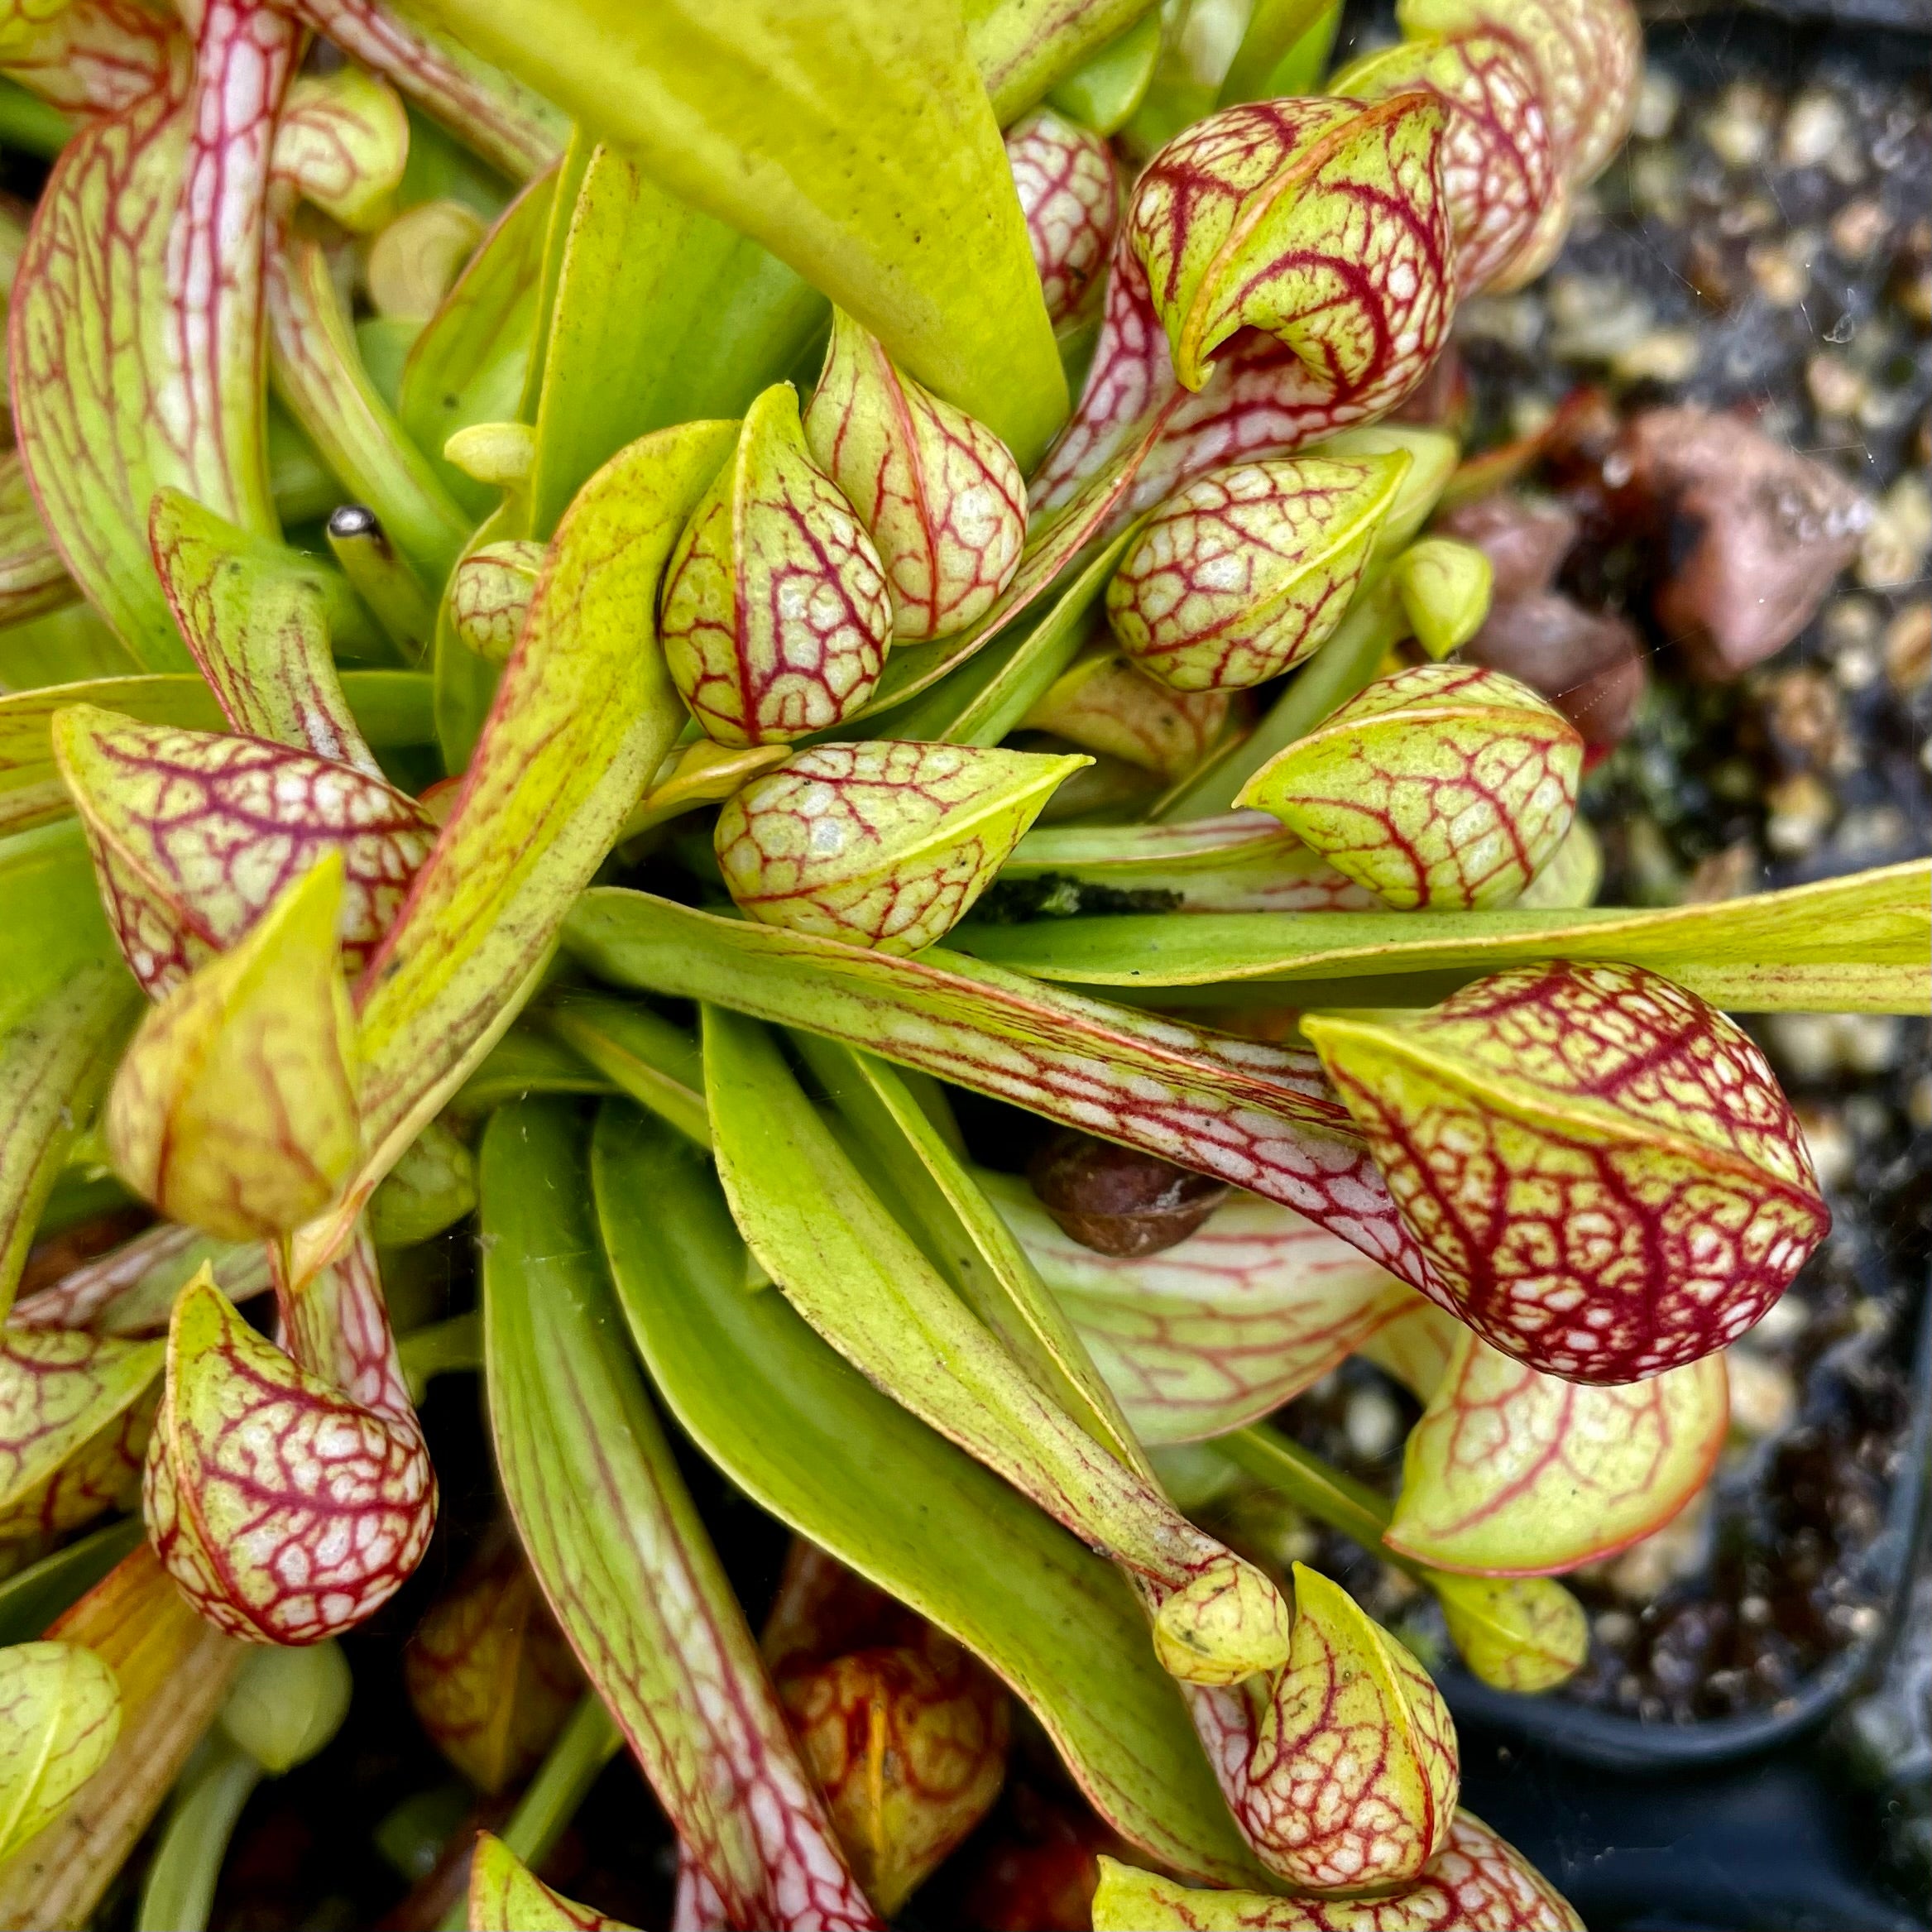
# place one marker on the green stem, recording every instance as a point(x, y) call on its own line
point(587, 1744)
point(1277, 29)
point(443, 1348)
point(1343, 665)
point(653, 1061)
point(207, 1803)
point(1317, 1489)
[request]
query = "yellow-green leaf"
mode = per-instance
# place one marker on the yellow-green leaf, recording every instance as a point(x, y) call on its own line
point(59, 1714)
point(73, 1423)
point(470, 363)
point(257, 623)
point(814, 128)
point(663, 315)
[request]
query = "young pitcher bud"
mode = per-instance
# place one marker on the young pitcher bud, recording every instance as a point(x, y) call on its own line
point(776, 613)
point(1248, 570)
point(489, 591)
point(60, 1715)
point(1070, 194)
point(1446, 786)
point(1228, 1624)
point(1102, 702)
point(879, 843)
point(194, 833)
point(908, 1747)
point(285, 1512)
point(942, 497)
point(1519, 1633)
point(500, 455)
point(1498, 160)
point(1359, 1733)
point(234, 1108)
point(1444, 591)
point(287, 1704)
point(1601, 1169)
point(1478, 1883)
point(1321, 223)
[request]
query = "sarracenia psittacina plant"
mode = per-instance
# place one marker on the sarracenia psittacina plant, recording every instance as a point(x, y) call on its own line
point(709, 519)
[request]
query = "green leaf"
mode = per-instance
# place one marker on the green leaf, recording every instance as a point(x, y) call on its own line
point(177, 1890)
point(525, 1061)
point(1105, 91)
point(583, 717)
point(847, 1467)
point(966, 1235)
point(813, 127)
point(664, 315)
point(1277, 30)
point(854, 1273)
point(59, 647)
point(571, 170)
point(1856, 944)
point(619, 1548)
point(1236, 862)
point(472, 359)
point(30, 1599)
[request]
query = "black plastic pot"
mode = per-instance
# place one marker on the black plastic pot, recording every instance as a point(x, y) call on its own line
point(1614, 1742)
